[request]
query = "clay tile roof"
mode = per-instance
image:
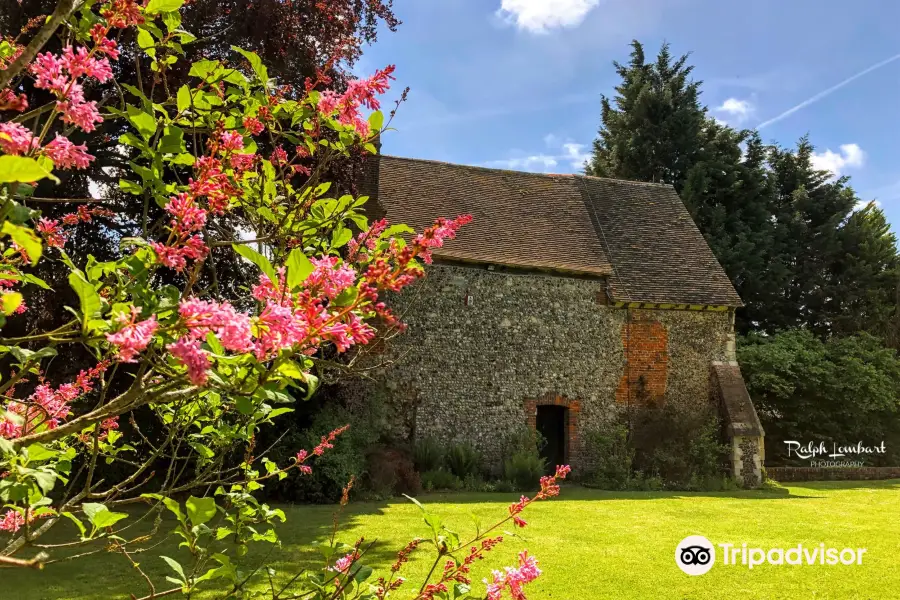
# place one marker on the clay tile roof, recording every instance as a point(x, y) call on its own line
point(658, 253)
point(639, 235)
point(520, 219)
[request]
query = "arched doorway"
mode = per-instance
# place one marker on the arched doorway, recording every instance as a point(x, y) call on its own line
point(552, 424)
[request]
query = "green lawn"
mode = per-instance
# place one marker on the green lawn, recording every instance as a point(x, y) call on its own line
point(594, 544)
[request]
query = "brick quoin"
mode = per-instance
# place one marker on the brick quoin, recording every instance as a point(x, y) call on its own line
point(646, 346)
point(574, 413)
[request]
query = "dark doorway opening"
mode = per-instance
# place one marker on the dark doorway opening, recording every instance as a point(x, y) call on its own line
point(551, 424)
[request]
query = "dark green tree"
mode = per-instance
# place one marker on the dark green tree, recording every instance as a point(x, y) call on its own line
point(787, 234)
point(842, 390)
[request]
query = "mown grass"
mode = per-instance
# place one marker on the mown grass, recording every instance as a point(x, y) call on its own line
point(590, 544)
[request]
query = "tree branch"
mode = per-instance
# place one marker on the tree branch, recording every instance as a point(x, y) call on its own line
point(62, 11)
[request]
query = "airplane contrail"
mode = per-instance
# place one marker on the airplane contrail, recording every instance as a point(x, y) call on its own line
point(827, 92)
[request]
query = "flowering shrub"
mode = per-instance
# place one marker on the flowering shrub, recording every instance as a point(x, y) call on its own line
point(236, 162)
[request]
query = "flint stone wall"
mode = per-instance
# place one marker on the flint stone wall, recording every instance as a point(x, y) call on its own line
point(481, 346)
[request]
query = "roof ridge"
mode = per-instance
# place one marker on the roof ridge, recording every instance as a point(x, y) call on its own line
point(531, 173)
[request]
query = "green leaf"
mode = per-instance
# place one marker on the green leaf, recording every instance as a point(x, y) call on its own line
point(340, 236)
point(362, 573)
point(376, 121)
point(145, 40)
point(176, 566)
point(131, 187)
point(38, 453)
point(244, 405)
point(87, 295)
point(77, 522)
point(257, 259)
point(298, 268)
point(10, 301)
point(183, 98)
point(161, 6)
point(200, 510)
point(24, 237)
point(144, 122)
point(100, 516)
point(255, 62)
point(22, 169)
point(172, 141)
point(203, 68)
point(347, 297)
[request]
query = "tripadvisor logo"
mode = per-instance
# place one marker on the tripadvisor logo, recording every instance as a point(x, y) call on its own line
point(696, 555)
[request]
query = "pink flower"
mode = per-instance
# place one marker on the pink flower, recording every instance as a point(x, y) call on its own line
point(328, 102)
point(191, 355)
point(232, 140)
point(231, 327)
point(10, 101)
point(134, 337)
point(83, 114)
point(279, 156)
point(176, 257)
point(15, 139)
point(122, 13)
point(253, 125)
point(80, 63)
point(48, 73)
point(188, 217)
point(513, 579)
point(329, 278)
point(12, 521)
point(277, 328)
point(242, 162)
point(342, 565)
point(52, 232)
point(67, 155)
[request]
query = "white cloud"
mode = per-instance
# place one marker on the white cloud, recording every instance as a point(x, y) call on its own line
point(739, 110)
point(864, 203)
point(539, 16)
point(851, 155)
point(567, 157)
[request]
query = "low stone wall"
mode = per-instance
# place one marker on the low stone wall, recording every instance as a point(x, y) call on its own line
point(784, 474)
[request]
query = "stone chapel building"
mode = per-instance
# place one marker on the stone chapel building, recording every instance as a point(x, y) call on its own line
point(566, 298)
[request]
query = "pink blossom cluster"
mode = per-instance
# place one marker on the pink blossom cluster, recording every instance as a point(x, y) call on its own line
point(231, 327)
point(59, 75)
point(330, 277)
point(343, 564)
point(360, 92)
point(67, 155)
point(382, 274)
point(13, 520)
point(192, 356)
point(46, 406)
point(16, 139)
point(325, 444)
point(513, 579)
point(253, 125)
point(134, 336)
point(10, 101)
point(187, 217)
point(54, 233)
point(123, 13)
point(366, 240)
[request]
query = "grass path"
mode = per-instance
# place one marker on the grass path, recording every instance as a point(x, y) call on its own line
point(591, 544)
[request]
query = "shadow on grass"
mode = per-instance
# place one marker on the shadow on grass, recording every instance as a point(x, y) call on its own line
point(108, 575)
point(581, 493)
point(876, 484)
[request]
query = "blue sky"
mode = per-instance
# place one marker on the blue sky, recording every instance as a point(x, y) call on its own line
point(517, 83)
